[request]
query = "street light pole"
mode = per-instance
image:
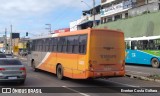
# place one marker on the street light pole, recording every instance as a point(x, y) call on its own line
point(94, 21)
point(11, 40)
point(6, 40)
point(86, 4)
point(49, 28)
point(93, 12)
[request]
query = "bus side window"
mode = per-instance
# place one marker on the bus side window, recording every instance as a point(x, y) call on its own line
point(54, 44)
point(69, 44)
point(50, 45)
point(60, 43)
point(151, 45)
point(64, 44)
point(82, 44)
point(72, 44)
point(127, 45)
point(145, 44)
point(76, 44)
point(132, 45)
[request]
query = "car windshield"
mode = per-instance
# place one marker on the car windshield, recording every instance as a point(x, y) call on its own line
point(2, 56)
point(10, 62)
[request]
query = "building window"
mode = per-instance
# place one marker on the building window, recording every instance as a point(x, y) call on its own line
point(109, 19)
point(105, 20)
point(117, 17)
point(126, 15)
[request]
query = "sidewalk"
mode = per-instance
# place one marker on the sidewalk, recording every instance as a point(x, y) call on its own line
point(143, 73)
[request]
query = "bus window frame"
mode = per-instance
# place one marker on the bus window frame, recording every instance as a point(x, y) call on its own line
point(52, 44)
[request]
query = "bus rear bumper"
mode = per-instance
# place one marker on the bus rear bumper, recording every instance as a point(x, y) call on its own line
point(100, 74)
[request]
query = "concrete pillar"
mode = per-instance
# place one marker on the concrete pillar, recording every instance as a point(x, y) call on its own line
point(123, 15)
point(113, 18)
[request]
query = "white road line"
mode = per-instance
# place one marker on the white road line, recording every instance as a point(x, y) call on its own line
point(122, 84)
point(76, 91)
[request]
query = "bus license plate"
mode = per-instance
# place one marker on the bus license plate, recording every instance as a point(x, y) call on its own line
point(12, 78)
point(108, 69)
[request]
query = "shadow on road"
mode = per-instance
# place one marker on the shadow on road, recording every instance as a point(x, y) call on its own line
point(139, 65)
point(10, 84)
point(83, 82)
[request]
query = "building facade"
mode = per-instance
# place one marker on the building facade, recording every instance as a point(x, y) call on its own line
point(87, 19)
point(112, 10)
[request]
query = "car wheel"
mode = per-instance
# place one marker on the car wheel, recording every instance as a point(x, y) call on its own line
point(59, 72)
point(155, 63)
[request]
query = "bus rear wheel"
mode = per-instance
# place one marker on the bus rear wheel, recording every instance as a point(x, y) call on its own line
point(34, 66)
point(59, 72)
point(155, 63)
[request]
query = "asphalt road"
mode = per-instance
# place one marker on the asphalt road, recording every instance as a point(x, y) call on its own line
point(45, 79)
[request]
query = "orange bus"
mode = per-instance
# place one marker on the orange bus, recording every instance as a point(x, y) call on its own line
point(83, 54)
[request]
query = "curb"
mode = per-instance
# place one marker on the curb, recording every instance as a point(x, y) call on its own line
point(142, 78)
point(23, 58)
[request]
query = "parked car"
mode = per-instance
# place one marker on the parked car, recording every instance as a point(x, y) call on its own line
point(9, 55)
point(2, 55)
point(12, 70)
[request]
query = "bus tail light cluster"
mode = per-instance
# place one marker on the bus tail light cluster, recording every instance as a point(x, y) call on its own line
point(90, 65)
point(123, 65)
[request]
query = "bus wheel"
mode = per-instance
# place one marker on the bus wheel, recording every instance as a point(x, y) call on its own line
point(59, 72)
point(34, 66)
point(155, 63)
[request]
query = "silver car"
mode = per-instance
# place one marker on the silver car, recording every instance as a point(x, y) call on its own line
point(12, 70)
point(9, 56)
point(2, 55)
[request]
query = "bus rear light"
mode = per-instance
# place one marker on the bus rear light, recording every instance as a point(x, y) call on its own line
point(123, 65)
point(90, 63)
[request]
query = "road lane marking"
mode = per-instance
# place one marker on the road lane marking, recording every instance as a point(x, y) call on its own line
point(76, 91)
point(122, 84)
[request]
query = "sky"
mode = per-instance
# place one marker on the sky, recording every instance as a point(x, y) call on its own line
point(32, 15)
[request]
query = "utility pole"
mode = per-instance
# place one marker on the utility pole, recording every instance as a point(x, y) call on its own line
point(5, 40)
point(93, 11)
point(49, 28)
point(94, 22)
point(11, 40)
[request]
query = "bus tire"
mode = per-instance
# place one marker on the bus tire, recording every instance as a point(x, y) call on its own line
point(59, 72)
point(155, 63)
point(34, 66)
